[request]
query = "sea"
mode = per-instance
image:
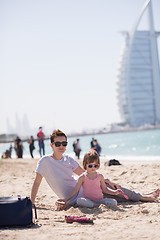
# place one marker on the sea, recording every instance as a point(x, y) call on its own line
point(141, 145)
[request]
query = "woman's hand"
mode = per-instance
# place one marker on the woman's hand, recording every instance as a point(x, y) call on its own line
point(119, 191)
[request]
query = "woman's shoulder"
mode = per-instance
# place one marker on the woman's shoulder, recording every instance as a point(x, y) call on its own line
point(68, 158)
point(44, 159)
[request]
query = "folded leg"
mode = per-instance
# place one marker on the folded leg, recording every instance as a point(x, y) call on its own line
point(85, 202)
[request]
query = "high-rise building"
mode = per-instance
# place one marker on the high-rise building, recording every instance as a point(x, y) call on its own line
point(139, 75)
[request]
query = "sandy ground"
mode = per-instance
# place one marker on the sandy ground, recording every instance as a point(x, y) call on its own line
point(129, 221)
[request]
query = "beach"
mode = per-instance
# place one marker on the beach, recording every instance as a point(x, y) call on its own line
point(131, 220)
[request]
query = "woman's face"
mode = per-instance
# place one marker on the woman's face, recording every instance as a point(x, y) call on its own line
point(59, 145)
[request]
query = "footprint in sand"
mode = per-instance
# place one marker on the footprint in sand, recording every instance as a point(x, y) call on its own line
point(123, 173)
point(145, 211)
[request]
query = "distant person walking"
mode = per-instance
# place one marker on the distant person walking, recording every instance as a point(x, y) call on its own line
point(77, 148)
point(97, 147)
point(18, 146)
point(31, 145)
point(10, 150)
point(41, 136)
point(92, 143)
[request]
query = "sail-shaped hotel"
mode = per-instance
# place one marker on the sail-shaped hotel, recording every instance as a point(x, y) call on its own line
point(139, 75)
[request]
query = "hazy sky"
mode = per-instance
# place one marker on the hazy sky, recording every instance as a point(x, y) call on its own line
point(58, 60)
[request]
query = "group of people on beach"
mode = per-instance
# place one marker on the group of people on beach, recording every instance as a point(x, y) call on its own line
point(40, 138)
point(18, 146)
point(94, 146)
point(91, 189)
point(7, 153)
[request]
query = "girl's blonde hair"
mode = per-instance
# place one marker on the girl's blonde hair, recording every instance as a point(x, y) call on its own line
point(90, 157)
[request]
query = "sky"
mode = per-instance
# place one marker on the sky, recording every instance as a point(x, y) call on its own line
point(58, 62)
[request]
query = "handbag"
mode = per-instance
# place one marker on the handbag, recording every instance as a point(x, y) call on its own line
point(16, 211)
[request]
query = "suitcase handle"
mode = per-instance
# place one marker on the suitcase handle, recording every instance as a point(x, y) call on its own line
point(35, 212)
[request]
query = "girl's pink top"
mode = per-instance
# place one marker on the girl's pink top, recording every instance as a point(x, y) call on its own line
point(92, 188)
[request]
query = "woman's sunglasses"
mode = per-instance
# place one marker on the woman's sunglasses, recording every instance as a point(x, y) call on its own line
point(58, 144)
point(93, 165)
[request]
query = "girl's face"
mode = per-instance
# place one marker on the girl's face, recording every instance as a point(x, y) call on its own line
point(92, 167)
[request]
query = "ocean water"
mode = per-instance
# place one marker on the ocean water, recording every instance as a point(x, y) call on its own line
point(137, 145)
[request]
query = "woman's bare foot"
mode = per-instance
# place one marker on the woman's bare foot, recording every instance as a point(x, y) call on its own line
point(151, 197)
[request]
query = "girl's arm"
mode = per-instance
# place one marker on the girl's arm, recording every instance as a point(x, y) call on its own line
point(76, 189)
point(78, 171)
point(107, 190)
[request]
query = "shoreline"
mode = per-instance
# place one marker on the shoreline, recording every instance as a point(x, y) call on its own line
point(81, 134)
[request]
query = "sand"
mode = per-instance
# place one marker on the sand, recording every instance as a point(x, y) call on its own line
point(130, 221)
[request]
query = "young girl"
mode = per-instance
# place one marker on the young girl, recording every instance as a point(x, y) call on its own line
point(93, 184)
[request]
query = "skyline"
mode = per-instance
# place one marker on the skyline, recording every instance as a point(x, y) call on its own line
point(59, 61)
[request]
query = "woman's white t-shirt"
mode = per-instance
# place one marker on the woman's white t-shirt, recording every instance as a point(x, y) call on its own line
point(58, 174)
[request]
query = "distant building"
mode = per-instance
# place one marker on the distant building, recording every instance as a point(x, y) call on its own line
point(139, 75)
point(5, 138)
